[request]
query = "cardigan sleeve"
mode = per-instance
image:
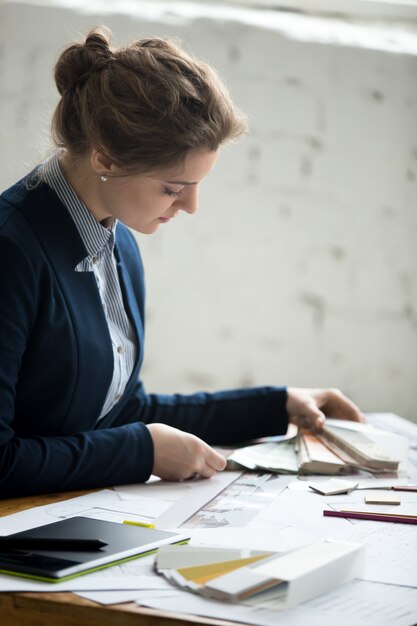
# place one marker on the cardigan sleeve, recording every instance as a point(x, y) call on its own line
point(41, 464)
point(220, 418)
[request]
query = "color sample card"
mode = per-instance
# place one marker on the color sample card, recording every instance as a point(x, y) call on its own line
point(383, 498)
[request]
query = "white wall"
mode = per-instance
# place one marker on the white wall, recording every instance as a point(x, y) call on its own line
point(301, 266)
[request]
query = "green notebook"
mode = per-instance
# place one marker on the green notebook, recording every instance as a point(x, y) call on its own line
point(124, 542)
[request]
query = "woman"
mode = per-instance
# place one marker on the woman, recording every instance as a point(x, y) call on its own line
point(137, 129)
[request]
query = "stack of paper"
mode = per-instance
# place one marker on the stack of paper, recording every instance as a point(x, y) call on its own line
point(194, 567)
point(339, 447)
point(277, 457)
point(314, 457)
point(264, 580)
point(359, 446)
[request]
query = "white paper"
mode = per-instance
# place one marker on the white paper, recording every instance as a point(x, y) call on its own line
point(382, 483)
point(391, 555)
point(104, 504)
point(405, 508)
point(162, 490)
point(359, 603)
point(202, 491)
point(135, 574)
point(108, 597)
point(300, 484)
point(119, 597)
point(302, 511)
point(257, 536)
point(395, 424)
point(239, 504)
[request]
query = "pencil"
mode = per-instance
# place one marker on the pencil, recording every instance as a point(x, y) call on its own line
point(374, 517)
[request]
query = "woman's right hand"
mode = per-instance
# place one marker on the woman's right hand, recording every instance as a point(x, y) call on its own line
point(179, 455)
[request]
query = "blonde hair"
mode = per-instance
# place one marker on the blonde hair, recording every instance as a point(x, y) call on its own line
point(145, 106)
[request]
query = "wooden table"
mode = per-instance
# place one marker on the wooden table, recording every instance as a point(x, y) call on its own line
point(67, 609)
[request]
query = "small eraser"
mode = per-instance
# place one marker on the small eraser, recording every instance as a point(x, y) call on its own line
point(383, 498)
point(333, 487)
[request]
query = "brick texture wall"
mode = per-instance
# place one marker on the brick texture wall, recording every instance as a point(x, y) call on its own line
point(301, 266)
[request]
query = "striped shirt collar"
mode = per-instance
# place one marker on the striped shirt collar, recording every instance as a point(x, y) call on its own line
point(94, 235)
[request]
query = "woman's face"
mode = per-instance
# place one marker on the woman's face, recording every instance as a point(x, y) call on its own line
point(146, 201)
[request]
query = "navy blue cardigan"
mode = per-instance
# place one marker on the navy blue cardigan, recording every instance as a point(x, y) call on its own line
point(56, 364)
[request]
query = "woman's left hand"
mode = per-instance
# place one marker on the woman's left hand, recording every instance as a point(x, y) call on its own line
point(313, 405)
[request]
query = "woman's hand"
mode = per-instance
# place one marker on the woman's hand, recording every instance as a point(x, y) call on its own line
point(313, 405)
point(179, 455)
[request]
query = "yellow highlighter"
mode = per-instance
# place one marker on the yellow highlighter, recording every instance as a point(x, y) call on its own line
point(143, 524)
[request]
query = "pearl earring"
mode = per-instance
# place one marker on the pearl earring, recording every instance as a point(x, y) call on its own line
point(103, 178)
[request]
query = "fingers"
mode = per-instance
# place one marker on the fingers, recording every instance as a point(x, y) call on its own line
point(304, 407)
point(209, 461)
point(215, 460)
point(336, 404)
point(313, 405)
point(180, 456)
point(312, 416)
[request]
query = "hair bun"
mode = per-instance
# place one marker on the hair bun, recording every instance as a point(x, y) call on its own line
point(80, 60)
point(100, 38)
